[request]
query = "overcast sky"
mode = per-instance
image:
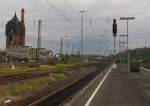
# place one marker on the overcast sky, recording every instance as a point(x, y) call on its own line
point(100, 12)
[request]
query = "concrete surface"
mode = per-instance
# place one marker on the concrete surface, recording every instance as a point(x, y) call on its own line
point(119, 89)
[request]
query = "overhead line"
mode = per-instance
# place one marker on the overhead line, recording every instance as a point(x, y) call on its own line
point(139, 13)
point(52, 6)
point(74, 10)
point(128, 8)
point(135, 13)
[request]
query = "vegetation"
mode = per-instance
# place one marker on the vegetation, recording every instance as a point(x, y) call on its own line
point(26, 69)
point(30, 86)
point(53, 61)
point(140, 55)
point(54, 65)
point(26, 87)
point(2, 56)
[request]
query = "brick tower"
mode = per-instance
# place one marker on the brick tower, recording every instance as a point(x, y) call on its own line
point(15, 31)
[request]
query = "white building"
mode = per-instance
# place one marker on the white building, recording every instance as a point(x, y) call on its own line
point(22, 52)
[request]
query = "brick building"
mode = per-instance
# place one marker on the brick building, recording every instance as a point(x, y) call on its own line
point(15, 31)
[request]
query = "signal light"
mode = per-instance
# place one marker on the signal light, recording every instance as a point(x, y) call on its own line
point(114, 28)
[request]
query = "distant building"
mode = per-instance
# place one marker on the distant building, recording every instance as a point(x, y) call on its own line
point(45, 54)
point(18, 52)
point(27, 52)
point(41, 54)
point(15, 42)
point(15, 31)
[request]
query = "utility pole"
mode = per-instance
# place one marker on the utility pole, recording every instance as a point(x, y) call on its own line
point(62, 43)
point(61, 46)
point(82, 15)
point(39, 39)
point(145, 44)
point(72, 49)
point(67, 47)
point(123, 45)
point(127, 19)
point(12, 43)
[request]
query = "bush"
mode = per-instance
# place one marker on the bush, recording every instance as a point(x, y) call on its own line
point(60, 72)
point(60, 76)
point(52, 61)
point(51, 80)
point(21, 89)
point(65, 59)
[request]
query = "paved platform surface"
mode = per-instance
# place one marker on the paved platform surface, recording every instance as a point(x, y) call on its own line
point(119, 89)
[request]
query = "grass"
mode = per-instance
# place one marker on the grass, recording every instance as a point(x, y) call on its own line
point(25, 69)
point(30, 86)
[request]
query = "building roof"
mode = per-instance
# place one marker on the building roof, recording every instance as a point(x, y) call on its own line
point(13, 25)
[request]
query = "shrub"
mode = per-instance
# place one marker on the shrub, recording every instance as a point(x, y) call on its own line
point(60, 72)
point(21, 89)
point(52, 61)
point(60, 76)
point(51, 80)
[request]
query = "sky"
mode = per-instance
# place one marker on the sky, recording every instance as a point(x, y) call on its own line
point(62, 18)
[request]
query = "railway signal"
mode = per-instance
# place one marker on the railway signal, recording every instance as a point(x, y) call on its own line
point(114, 31)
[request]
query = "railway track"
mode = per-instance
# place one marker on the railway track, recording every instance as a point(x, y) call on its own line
point(58, 97)
point(3, 65)
point(19, 77)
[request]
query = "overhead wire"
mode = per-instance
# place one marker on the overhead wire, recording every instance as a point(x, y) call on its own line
point(143, 11)
point(128, 8)
point(66, 18)
point(70, 6)
point(138, 13)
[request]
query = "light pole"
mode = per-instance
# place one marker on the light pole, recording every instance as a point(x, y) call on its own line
point(61, 44)
point(72, 49)
point(82, 15)
point(12, 43)
point(127, 19)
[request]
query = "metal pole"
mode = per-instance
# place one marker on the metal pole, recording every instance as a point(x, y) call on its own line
point(114, 45)
point(128, 54)
point(82, 13)
point(61, 46)
point(81, 38)
point(115, 34)
point(39, 39)
point(145, 44)
point(67, 47)
point(72, 49)
point(128, 46)
point(12, 43)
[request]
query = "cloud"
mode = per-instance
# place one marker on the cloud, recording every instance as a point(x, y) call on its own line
point(100, 12)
